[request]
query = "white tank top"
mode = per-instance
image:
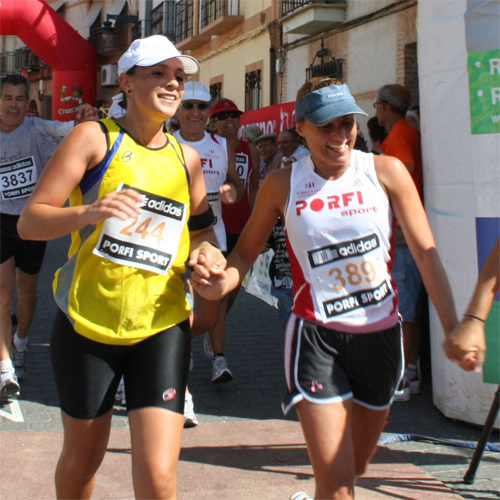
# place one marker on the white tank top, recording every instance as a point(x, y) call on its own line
point(340, 245)
point(213, 154)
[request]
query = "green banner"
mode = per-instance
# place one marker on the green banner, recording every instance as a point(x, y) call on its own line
point(491, 367)
point(484, 91)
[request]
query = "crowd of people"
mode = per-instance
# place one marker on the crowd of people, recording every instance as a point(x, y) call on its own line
point(166, 187)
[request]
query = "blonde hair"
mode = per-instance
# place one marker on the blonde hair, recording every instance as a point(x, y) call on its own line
point(318, 82)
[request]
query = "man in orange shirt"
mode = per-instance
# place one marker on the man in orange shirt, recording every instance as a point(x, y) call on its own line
point(403, 142)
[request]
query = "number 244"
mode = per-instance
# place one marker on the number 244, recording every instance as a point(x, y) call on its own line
point(143, 229)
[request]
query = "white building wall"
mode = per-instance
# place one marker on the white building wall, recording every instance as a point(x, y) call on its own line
point(358, 8)
point(296, 64)
point(249, 8)
point(232, 63)
point(372, 55)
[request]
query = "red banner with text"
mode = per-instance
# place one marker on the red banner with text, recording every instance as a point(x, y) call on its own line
point(271, 119)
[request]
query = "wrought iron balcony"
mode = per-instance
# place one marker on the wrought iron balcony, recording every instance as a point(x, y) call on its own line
point(288, 6)
point(218, 16)
point(27, 59)
point(332, 69)
point(186, 37)
point(7, 63)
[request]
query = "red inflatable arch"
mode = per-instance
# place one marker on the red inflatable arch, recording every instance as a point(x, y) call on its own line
point(52, 39)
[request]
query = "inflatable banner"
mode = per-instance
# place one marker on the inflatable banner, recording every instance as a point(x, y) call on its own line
point(50, 37)
point(459, 73)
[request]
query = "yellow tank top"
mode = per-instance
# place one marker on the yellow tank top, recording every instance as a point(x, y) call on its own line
point(120, 296)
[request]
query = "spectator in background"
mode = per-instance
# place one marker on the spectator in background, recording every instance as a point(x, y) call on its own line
point(31, 141)
point(360, 143)
point(377, 135)
point(290, 148)
point(223, 185)
point(403, 142)
point(251, 132)
point(413, 117)
point(270, 157)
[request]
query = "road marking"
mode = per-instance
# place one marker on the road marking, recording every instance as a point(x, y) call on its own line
point(16, 415)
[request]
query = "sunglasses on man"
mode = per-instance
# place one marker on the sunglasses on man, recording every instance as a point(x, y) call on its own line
point(227, 114)
point(202, 106)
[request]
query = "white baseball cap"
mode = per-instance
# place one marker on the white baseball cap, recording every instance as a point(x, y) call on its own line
point(196, 91)
point(154, 50)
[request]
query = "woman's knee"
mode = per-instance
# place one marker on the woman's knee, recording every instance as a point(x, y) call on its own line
point(79, 466)
point(155, 482)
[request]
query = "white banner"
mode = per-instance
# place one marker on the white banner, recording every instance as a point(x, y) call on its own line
point(459, 73)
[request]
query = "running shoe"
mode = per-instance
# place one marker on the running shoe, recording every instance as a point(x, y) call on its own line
point(402, 393)
point(207, 346)
point(414, 381)
point(190, 419)
point(19, 361)
point(220, 371)
point(300, 495)
point(120, 393)
point(9, 386)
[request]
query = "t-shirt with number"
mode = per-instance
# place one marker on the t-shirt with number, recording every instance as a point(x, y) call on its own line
point(124, 280)
point(212, 150)
point(24, 152)
point(339, 234)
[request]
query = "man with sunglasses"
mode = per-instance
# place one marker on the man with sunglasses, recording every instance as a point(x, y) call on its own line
point(222, 183)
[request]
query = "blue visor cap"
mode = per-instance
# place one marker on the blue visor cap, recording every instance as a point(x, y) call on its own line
point(326, 104)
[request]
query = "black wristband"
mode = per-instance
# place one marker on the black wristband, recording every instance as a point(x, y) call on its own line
point(201, 221)
point(475, 317)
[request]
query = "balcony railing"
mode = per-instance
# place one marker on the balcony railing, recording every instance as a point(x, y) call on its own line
point(184, 20)
point(7, 63)
point(26, 58)
point(213, 10)
point(332, 69)
point(23, 58)
point(288, 6)
point(163, 19)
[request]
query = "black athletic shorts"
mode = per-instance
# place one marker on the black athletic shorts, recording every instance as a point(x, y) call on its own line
point(28, 255)
point(87, 373)
point(325, 366)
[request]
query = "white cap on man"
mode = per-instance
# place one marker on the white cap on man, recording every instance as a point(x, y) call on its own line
point(196, 91)
point(154, 50)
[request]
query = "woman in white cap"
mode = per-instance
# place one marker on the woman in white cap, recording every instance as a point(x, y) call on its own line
point(343, 344)
point(138, 211)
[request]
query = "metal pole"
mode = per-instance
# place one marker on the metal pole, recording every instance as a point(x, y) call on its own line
point(470, 475)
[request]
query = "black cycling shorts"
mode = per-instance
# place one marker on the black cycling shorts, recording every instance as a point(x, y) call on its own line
point(28, 255)
point(87, 373)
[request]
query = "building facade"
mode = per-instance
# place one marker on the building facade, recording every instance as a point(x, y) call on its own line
point(256, 52)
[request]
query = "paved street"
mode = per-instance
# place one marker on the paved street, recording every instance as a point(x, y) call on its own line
point(243, 448)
